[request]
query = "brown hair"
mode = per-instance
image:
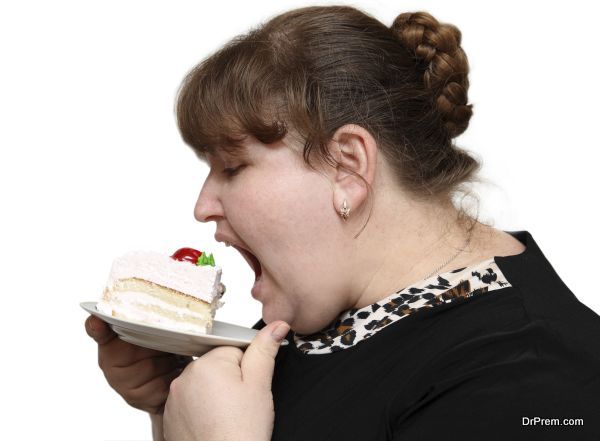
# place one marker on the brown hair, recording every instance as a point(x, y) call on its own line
point(315, 69)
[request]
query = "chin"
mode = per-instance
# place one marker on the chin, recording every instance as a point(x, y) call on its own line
point(269, 317)
point(313, 326)
point(305, 330)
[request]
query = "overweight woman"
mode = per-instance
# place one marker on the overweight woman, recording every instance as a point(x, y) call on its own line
point(333, 170)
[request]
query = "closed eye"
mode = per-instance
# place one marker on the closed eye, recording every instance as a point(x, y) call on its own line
point(232, 171)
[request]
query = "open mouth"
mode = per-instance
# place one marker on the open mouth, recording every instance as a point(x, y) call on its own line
point(252, 261)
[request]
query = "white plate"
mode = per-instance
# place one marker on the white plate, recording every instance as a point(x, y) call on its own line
point(176, 342)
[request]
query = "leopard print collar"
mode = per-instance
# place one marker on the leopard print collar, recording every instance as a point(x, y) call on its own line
point(356, 325)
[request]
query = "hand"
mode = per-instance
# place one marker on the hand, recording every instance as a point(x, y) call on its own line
point(225, 395)
point(141, 376)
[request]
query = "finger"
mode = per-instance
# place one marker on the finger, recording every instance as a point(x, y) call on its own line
point(223, 354)
point(119, 353)
point(152, 395)
point(222, 361)
point(142, 371)
point(258, 362)
point(99, 330)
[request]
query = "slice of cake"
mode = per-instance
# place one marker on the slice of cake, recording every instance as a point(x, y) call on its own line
point(181, 292)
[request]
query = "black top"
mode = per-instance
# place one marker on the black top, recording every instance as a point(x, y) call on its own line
point(519, 363)
point(354, 325)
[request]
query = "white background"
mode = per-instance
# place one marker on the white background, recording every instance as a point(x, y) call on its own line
point(92, 166)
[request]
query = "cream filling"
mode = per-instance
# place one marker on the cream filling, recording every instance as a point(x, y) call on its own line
point(129, 304)
point(134, 299)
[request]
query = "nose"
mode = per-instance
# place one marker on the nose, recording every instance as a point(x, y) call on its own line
point(208, 206)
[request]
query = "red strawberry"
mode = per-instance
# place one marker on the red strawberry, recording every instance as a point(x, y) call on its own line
point(189, 254)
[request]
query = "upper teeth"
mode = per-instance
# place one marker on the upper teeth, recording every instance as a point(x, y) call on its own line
point(227, 244)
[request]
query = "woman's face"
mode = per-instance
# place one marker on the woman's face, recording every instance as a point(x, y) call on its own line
point(282, 212)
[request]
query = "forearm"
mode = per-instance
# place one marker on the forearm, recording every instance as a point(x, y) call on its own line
point(157, 427)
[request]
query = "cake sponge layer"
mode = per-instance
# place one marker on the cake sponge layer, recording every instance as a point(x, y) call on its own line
point(144, 301)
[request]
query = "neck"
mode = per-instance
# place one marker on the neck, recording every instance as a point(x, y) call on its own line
point(407, 248)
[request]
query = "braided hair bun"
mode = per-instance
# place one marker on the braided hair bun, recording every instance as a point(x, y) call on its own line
point(436, 48)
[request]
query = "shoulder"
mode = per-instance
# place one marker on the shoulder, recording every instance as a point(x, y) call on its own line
point(488, 242)
point(501, 388)
point(503, 404)
point(507, 245)
point(495, 242)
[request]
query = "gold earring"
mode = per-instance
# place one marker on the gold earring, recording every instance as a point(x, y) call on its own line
point(345, 211)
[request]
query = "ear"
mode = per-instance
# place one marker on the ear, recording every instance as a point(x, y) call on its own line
point(355, 150)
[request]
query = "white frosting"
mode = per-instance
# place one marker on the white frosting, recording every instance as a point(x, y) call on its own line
point(201, 282)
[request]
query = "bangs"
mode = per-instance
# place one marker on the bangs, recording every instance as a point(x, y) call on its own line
point(228, 96)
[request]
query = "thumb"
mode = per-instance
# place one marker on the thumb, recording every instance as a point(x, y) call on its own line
point(258, 361)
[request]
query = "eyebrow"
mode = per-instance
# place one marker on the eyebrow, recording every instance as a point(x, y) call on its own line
point(239, 153)
point(223, 155)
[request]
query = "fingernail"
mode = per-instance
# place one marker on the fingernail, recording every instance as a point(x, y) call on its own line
point(280, 332)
